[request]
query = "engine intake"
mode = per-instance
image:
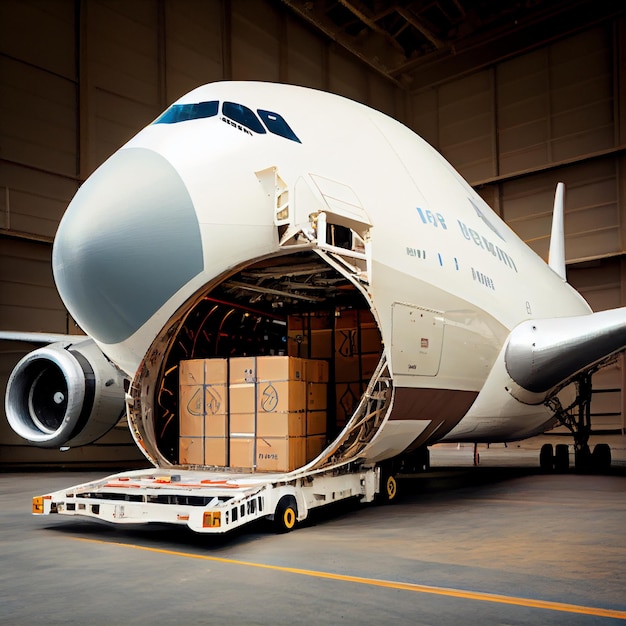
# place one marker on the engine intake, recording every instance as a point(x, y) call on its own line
point(64, 395)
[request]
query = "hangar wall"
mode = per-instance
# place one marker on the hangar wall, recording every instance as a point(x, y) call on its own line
point(78, 78)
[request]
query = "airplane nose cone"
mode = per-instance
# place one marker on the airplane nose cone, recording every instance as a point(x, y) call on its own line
point(128, 241)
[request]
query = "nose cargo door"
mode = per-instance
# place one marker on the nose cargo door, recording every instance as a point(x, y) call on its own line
point(308, 299)
point(323, 213)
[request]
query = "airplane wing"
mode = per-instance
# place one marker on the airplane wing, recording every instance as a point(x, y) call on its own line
point(37, 337)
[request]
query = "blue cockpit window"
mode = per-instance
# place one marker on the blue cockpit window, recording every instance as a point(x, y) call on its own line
point(243, 115)
point(238, 113)
point(185, 112)
point(277, 125)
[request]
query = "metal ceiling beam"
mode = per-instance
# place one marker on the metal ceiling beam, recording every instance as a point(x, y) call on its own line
point(493, 41)
point(307, 10)
point(481, 51)
point(426, 32)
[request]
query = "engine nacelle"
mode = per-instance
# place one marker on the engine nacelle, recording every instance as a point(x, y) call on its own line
point(65, 394)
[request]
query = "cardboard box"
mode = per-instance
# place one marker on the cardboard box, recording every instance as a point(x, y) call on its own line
point(191, 372)
point(348, 396)
point(346, 318)
point(370, 339)
point(281, 425)
point(242, 369)
point(280, 454)
point(191, 411)
point(216, 399)
point(321, 321)
point(202, 410)
point(203, 371)
point(369, 362)
point(215, 451)
point(314, 446)
point(241, 398)
point(347, 369)
point(241, 452)
point(297, 323)
point(316, 370)
point(321, 344)
point(346, 343)
point(242, 423)
point(316, 396)
point(270, 368)
point(316, 423)
point(215, 425)
point(281, 397)
point(202, 404)
point(191, 451)
point(215, 371)
point(366, 317)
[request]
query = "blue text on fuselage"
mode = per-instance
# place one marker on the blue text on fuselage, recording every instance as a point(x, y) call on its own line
point(482, 242)
point(435, 219)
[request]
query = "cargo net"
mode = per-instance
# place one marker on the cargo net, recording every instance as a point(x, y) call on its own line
point(365, 421)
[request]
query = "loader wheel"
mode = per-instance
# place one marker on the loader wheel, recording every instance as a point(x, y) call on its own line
point(388, 488)
point(286, 514)
point(391, 488)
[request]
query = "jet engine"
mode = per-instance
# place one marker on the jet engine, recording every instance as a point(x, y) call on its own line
point(64, 395)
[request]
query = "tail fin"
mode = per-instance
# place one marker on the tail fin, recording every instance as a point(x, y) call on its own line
point(556, 255)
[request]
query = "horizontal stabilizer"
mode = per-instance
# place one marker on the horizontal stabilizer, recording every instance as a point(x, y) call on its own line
point(546, 353)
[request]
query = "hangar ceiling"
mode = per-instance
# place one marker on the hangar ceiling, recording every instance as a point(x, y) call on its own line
point(415, 43)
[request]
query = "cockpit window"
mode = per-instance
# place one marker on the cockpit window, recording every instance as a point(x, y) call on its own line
point(236, 115)
point(185, 112)
point(277, 125)
point(243, 115)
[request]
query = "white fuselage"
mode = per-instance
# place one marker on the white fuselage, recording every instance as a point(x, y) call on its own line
point(447, 280)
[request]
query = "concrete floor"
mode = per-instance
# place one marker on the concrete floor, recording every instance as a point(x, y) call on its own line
point(491, 545)
point(520, 454)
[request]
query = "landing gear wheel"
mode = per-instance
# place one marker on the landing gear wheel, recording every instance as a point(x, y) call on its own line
point(601, 458)
point(286, 514)
point(561, 457)
point(546, 458)
point(582, 459)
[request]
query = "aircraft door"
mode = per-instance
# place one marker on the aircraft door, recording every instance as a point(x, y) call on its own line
point(416, 340)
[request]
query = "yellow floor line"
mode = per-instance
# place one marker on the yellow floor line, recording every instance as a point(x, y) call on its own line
point(374, 582)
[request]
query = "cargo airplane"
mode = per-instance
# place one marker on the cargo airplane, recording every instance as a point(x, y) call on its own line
point(254, 219)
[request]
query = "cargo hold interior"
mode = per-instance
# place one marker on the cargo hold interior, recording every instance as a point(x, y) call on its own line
point(267, 368)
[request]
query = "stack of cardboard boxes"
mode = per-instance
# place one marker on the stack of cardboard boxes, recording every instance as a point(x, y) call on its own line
point(316, 377)
point(357, 349)
point(350, 341)
point(203, 401)
point(271, 413)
